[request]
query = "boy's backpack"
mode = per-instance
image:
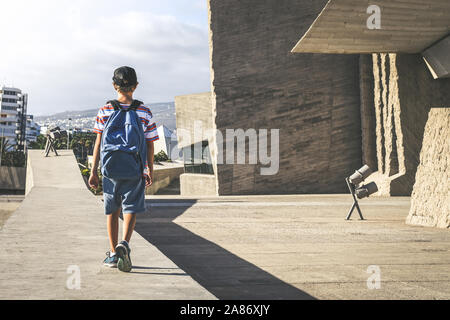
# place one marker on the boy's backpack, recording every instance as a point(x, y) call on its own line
point(123, 147)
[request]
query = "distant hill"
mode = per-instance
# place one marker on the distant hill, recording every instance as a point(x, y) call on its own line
point(163, 113)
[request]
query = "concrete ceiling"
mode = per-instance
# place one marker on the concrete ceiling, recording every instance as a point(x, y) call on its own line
point(407, 26)
point(437, 58)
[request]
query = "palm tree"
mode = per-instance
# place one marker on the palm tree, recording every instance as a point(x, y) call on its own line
point(4, 146)
point(8, 157)
point(40, 142)
point(88, 145)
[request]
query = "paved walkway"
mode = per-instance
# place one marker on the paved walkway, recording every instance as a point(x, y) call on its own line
point(8, 204)
point(289, 247)
point(60, 224)
point(256, 247)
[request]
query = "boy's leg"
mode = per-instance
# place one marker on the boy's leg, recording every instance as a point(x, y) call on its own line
point(123, 249)
point(113, 228)
point(133, 202)
point(129, 222)
point(112, 202)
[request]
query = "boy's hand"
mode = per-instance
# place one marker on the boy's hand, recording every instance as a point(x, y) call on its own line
point(93, 180)
point(148, 179)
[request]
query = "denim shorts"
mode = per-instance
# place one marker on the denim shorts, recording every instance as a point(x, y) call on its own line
point(126, 193)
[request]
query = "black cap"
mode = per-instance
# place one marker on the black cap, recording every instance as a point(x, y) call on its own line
point(125, 77)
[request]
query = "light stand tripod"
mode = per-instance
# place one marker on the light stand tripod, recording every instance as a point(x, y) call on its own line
point(352, 188)
point(50, 145)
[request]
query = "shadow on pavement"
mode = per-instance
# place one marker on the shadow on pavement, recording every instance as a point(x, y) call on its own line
point(160, 273)
point(219, 271)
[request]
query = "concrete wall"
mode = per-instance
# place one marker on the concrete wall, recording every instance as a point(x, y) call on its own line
point(191, 108)
point(312, 98)
point(163, 177)
point(404, 91)
point(430, 200)
point(194, 113)
point(368, 122)
point(195, 184)
point(12, 178)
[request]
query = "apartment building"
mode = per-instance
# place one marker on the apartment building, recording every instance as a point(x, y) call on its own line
point(33, 129)
point(13, 116)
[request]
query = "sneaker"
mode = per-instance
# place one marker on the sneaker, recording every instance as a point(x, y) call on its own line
point(123, 251)
point(111, 262)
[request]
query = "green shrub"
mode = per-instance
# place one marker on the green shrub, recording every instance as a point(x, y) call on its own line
point(13, 159)
point(161, 156)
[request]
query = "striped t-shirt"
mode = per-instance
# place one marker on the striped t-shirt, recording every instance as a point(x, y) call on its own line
point(144, 113)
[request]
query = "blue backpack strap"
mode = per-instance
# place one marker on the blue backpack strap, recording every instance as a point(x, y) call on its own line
point(115, 104)
point(135, 104)
point(143, 154)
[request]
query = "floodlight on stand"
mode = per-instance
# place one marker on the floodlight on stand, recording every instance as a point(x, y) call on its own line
point(360, 192)
point(360, 175)
point(52, 134)
point(366, 190)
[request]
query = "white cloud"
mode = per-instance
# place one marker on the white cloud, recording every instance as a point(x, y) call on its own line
point(63, 53)
point(202, 4)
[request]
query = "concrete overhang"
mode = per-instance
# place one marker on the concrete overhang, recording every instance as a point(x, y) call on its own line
point(437, 58)
point(406, 26)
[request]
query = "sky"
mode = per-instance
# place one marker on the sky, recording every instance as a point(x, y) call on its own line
point(63, 52)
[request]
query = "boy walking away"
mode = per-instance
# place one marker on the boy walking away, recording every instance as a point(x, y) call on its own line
point(124, 146)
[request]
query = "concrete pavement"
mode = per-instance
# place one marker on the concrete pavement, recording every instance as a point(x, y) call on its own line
point(60, 224)
point(252, 247)
point(8, 204)
point(243, 247)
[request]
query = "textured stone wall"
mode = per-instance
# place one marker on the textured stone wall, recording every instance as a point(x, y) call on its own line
point(404, 91)
point(430, 200)
point(314, 99)
point(368, 123)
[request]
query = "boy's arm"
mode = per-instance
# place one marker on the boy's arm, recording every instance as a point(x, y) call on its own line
point(93, 179)
point(150, 158)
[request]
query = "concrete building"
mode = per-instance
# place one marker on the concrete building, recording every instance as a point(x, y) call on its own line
point(33, 129)
point(335, 111)
point(167, 142)
point(198, 178)
point(13, 116)
point(9, 98)
point(405, 94)
point(44, 129)
point(257, 83)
